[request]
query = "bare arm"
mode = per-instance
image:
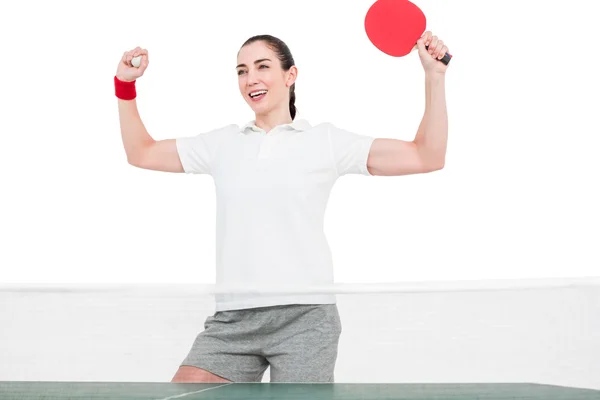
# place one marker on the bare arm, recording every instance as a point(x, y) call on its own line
point(141, 149)
point(427, 152)
point(432, 137)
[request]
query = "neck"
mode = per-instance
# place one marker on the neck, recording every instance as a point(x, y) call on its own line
point(269, 121)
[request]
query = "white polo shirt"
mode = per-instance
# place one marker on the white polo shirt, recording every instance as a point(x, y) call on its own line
point(271, 194)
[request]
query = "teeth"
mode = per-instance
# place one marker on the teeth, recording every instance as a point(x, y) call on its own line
point(258, 93)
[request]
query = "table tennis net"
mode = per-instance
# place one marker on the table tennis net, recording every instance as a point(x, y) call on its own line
point(543, 331)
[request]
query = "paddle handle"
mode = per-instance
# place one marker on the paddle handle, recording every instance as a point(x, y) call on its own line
point(446, 59)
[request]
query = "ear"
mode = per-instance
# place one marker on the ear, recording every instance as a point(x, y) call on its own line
point(292, 74)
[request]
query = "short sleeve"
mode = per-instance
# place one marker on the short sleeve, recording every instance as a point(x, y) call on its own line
point(197, 153)
point(350, 151)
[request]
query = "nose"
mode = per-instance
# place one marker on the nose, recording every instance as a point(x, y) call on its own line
point(252, 78)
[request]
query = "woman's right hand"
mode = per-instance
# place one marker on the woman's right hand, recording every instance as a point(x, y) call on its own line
point(126, 71)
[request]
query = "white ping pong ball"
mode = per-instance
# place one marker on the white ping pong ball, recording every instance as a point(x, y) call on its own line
point(136, 61)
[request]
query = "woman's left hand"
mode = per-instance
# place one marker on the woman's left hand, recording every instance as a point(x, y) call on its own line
point(430, 58)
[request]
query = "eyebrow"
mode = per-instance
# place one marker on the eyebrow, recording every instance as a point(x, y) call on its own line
point(255, 62)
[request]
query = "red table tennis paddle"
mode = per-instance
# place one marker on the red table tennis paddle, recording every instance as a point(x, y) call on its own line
point(394, 26)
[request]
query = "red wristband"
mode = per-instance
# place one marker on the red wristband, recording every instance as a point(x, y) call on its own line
point(125, 90)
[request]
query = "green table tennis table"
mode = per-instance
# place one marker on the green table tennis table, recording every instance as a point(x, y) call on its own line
point(289, 391)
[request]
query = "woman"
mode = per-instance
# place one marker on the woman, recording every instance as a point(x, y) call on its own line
point(272, 178)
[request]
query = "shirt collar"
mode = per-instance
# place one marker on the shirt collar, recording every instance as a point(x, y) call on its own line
point(297, 124)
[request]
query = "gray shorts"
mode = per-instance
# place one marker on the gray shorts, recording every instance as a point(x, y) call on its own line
point(298, 342)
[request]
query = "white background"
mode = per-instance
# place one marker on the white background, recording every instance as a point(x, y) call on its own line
point(518, 197)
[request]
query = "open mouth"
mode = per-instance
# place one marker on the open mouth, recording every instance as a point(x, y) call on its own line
point(258, 95)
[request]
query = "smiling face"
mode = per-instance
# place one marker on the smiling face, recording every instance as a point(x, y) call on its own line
point(262, 81)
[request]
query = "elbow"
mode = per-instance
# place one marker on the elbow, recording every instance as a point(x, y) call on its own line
point(137, 156)
point(434, 164)
point(431, 159)
point(439, 165)
point(134, 160)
